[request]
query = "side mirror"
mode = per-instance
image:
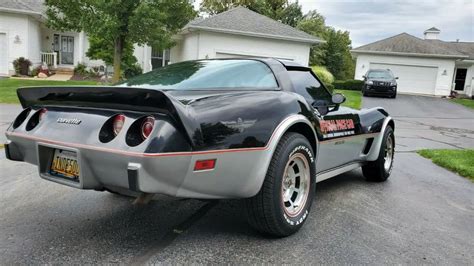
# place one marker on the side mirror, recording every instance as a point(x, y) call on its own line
point(338, 98)
point(364, 77)
point(396, 77)
point(323, 107)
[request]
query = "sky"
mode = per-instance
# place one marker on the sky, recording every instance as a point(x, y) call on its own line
point(373, 20)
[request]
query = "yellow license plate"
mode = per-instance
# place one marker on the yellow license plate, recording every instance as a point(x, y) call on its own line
point(65, 164)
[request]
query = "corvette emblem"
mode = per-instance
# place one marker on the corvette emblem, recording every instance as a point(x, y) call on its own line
point(71, 121)
point(239, 124)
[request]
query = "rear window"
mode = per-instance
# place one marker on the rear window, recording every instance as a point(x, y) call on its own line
point(308, 86)
point(208, 75)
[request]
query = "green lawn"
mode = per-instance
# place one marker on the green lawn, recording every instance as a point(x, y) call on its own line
point(466, 102)
point(353, 98)
point(458, 161)
point(8, 87)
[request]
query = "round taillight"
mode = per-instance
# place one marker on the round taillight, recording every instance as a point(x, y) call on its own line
point(36, 119)
point(41, 114)
point(21, 117)
point(119, 121)
point(147, 126)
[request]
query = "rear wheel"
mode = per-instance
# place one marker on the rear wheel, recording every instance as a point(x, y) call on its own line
point(282, 205)
point(380, 169)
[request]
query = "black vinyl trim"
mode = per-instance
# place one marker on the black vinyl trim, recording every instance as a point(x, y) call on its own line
point(7, 151)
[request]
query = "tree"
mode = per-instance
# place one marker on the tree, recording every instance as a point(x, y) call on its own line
point(314, 23)
point(281, 10)
point(103, 49)
point(338, 58)
point(292, 14)
point(335, 53)
point(121, 22)
point(213, 7)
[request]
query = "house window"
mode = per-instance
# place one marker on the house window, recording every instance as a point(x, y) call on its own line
point(159, 57)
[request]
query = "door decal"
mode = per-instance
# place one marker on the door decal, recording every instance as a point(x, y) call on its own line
point(337, 128)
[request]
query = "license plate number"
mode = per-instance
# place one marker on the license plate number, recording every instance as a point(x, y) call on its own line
point(65, 165)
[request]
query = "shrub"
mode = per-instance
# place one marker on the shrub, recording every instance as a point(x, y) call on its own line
point(80, 69)
point(330, 87)
point(132, 71)
point(22, 66)
point(350, 84)
point(323, 74)
point(35, 71)
point(94, 72)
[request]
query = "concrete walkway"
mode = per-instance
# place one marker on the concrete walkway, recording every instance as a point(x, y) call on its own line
point(58, 77)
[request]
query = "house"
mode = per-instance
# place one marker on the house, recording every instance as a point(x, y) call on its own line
point(240, 32)
point(235, 33)
point(426, 66)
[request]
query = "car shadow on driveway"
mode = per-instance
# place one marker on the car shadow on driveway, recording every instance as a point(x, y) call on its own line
point(420, 215)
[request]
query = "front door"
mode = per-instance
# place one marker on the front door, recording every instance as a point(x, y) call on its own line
point(460, 79)
point(67, 50)
point(336, 128)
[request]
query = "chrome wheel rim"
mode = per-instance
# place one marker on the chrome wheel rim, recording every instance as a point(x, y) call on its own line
point(295, 184)
point(388, 154)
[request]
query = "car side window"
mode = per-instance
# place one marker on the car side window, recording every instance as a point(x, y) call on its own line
point(309, 87)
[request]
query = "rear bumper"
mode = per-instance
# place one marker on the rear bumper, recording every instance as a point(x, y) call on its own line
point(238, 174)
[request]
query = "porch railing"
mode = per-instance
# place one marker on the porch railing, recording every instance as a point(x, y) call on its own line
point(50, 59)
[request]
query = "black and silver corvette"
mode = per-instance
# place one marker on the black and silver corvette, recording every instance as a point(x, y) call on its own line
point(262, 130)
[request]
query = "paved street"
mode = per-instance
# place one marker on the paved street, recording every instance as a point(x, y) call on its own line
point(422, 214)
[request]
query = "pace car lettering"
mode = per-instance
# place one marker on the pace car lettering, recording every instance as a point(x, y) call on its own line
point(337, 127)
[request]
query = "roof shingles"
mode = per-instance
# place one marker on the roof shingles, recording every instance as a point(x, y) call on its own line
point(24, 5)
point(405, 43)
point(242, 20)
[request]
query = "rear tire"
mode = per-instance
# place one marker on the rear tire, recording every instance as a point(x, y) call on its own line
point(283, 203)
point(380, 169)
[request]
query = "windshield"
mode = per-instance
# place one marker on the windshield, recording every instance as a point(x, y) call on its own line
point(208, 75)
point(379, 75)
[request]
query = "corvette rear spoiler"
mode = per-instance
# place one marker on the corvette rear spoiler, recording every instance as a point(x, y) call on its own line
point(107, 97)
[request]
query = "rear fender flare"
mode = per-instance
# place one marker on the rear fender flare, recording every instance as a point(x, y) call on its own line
point(281, 129)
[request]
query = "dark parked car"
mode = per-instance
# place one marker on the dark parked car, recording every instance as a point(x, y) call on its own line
point(380, 82)
point(261, 130)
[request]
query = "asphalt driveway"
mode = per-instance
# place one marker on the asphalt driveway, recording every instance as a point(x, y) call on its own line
point(422, 214)
point(428, 122)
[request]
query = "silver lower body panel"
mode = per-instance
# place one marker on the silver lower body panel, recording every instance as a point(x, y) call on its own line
point(237, 174)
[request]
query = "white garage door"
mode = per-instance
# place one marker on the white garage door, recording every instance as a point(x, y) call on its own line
point(3, 54)
point(412, 79)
